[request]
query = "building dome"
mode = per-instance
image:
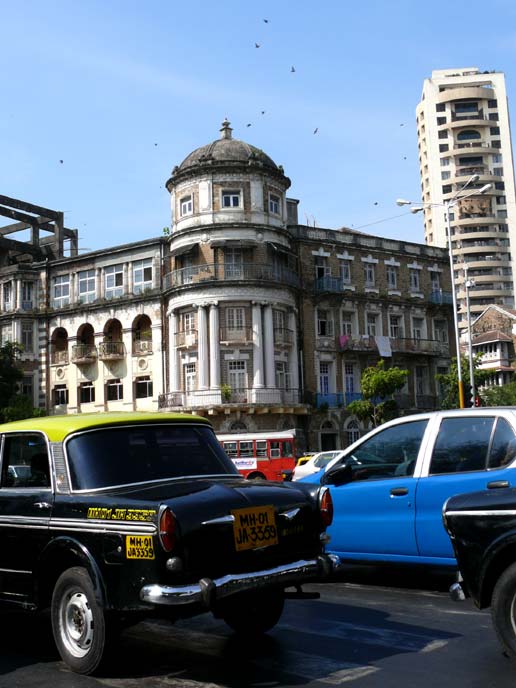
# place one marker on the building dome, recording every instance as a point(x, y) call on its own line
point(223, 152)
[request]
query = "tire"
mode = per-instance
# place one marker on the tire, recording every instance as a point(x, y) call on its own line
point(78, 622)
point(503, 610)
point(253, 613)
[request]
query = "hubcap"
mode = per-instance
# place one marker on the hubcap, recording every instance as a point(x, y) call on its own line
point(77, 624)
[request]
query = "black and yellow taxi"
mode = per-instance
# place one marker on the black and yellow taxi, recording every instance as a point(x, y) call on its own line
point(113, 517)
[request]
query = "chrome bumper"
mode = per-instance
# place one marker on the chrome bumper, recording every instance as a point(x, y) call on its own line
point(207, 591)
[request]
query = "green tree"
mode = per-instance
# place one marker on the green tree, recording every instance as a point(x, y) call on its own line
point(378, 387)
point(450, 386)
point(13, 405)
point(500, 396)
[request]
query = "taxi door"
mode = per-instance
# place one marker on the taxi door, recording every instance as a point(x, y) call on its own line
point(26, 500)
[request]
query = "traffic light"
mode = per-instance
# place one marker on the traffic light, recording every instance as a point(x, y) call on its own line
point(478, 400)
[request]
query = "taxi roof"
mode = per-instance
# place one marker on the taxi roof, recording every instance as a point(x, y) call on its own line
point(56, 428)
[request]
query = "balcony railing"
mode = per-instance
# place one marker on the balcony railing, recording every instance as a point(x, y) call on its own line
point(84, 353)
point(283, 336)
point(440, 297)
point(27, 305)
point(58, 356)
point(243, 271)
point(111, 351)
point(186, 339)
point(336, 399)
point(408, 345)
point(331, 284)
point(142, 346)
point(254, 396)
point(236, 335)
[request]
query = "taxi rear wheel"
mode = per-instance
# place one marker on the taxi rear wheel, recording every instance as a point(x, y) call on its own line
point(78, 622)
point(254, 613)
point(503, 610)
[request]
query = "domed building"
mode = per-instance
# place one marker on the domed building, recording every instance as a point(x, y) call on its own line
point(232, 290)
point(240, 314)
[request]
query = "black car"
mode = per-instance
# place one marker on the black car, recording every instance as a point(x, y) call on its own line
point(110, 518)
point(482, 527)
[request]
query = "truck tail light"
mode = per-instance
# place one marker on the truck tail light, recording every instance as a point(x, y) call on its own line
point(167, 529)
point(326, 506)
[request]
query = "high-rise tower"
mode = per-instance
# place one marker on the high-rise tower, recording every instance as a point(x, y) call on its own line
point(464, 139)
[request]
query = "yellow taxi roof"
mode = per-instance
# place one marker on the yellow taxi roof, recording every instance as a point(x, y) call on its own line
point(56, 428)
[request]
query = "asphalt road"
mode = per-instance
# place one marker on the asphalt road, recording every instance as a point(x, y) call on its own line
point(361, 633)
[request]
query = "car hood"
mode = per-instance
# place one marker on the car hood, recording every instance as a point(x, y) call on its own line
point(312, 477)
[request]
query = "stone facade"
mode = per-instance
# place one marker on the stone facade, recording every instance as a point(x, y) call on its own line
point(240, 314)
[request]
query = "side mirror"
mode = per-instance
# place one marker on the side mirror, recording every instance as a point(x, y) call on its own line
point(338, 475)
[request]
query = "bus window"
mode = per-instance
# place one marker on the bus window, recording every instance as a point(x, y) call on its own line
point(261, 449)
point(275, 450)
point(288, 449)
point(246, 448)
point(231, 449)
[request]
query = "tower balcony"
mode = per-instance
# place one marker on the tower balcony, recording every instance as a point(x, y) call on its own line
point(224, 400)
point(233, 272)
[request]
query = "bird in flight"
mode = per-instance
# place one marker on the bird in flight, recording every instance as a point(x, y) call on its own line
point(61, 161)
point(376, 203)
point(292, 69)
point(256, 45)
point(316, 130)
point(248, 125)
point(266, 21)
point(263, 112)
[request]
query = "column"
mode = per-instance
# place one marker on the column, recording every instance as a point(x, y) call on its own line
point(268, 340)
point(126, 283)
point(293, 362)
point(257, 345)
point(202, 347)
point(129, 278)
point(214, 346)
point(98, 283)
point(173, 359)
point(17, 296)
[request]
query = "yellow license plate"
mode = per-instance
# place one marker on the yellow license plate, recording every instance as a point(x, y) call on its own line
point(254, 528)
point(139, 547)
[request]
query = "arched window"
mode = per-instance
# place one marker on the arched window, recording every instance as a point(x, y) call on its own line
point(468, 135)
point(59, 346)
point(352, 429)
point(238, 426)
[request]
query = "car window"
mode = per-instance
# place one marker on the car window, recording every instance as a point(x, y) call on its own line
point(124, 455)
point(462, 444)
point(503, 447)
point(25, 461)
point(390, 453)
point(324, 459)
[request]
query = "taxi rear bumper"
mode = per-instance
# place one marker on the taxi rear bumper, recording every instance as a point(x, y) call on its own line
point(207, 591)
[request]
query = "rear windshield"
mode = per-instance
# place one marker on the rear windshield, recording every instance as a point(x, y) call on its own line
point(134, 454)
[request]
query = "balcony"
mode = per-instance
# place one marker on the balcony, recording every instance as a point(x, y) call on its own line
point(58, 356)
point(236, 335)
point(84, 354)
point(331, 284)
point(283, 336)
point(193, 275)
point(406, 345)
point(186, 339)
point(142, 347)
point(111, 351)
point(27, 305)
point(248, 397)
point(441, 298)
point(336, 399)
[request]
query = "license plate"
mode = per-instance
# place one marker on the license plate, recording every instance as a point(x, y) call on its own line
point(254, 528)
point(139, 547)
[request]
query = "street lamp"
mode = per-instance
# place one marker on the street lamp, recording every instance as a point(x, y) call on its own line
point(450, 203)
point(468, 283)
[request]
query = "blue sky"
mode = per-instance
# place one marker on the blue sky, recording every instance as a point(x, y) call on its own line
point(97, 84)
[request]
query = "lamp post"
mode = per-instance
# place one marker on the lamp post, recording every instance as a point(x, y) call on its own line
point(450, 203)
point(468, 283)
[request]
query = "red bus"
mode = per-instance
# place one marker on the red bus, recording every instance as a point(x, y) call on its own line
point(261, 455)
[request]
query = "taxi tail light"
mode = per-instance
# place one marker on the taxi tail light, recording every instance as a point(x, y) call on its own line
point(167, 529)
point(326, 506)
